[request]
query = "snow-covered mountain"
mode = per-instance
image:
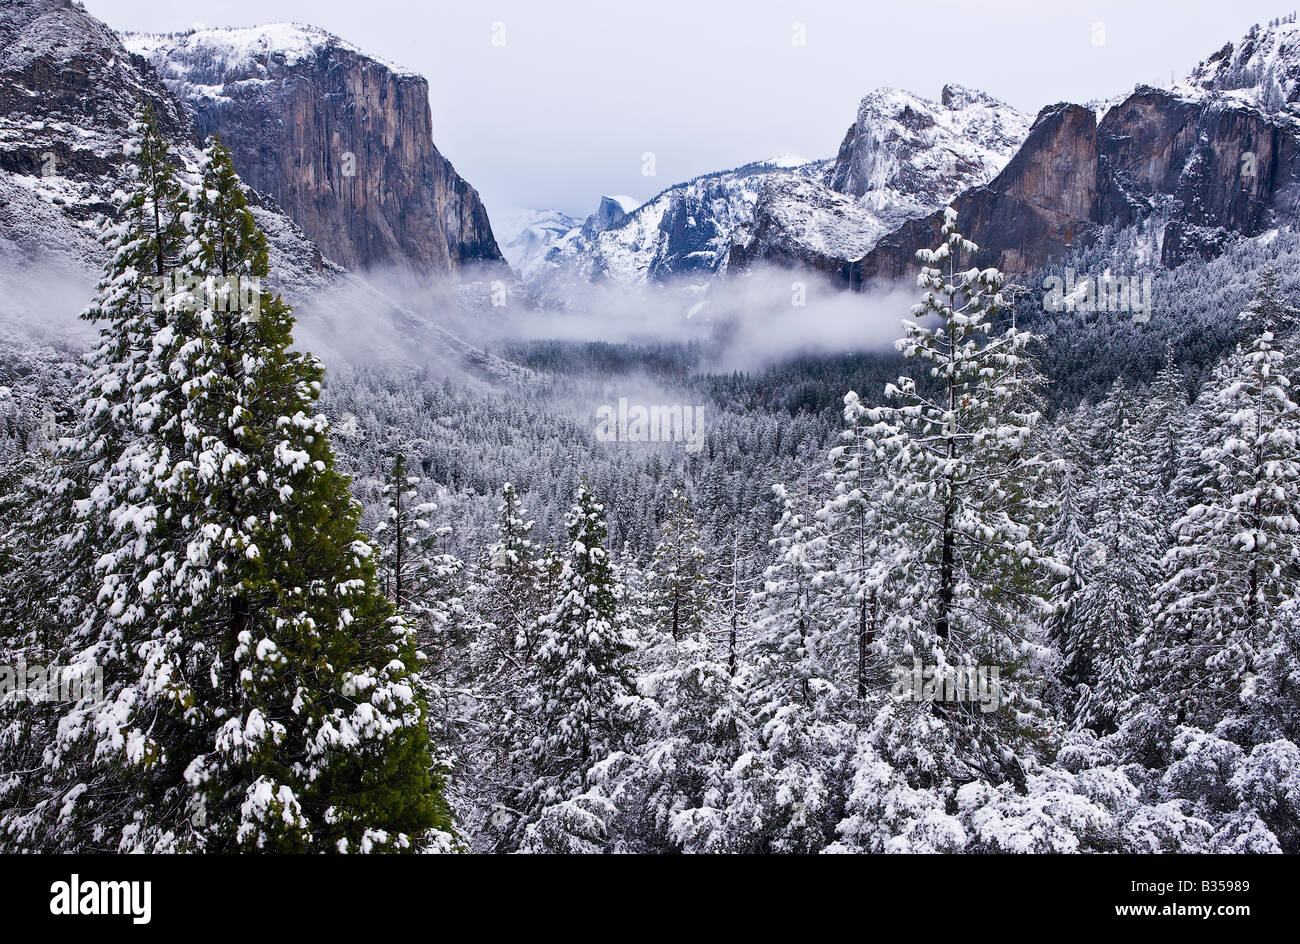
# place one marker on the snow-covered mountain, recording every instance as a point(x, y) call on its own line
point(525, 235)
point(686, 229)
point(902, 157)
point(1202, 163)
point(538, 243)
point(906, 155)
point(68, 90)
point(1263, 67)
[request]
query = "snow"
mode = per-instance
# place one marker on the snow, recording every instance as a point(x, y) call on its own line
point(242, 51)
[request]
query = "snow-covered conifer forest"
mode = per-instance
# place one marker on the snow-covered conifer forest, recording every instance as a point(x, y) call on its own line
point(791, 510)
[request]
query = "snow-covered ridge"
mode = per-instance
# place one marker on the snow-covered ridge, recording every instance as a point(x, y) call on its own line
point(901, 146)
point(525, 235)
point(903, 157)
point(241, 51)
point(1262, 68)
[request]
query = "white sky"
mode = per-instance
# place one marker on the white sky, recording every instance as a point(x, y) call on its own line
point(564, 110)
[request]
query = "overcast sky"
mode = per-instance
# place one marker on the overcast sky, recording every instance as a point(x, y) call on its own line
point(563, 110)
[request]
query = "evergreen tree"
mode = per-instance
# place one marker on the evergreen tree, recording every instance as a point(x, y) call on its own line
point(1238, 550)
point(678, 583)
point(789, 667)
point(963, 465)
point(422, 580)
point(85, 603)
point(1070, 546)
point(855, 523)
point(1163, 429)
point(578, 670)
point(1110, 613)
point(258, 688)
point(734, 585)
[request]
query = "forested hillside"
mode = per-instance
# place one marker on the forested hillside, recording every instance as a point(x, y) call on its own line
point(1027, 582)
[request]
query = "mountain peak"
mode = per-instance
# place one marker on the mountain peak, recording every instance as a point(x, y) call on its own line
point(957, 97)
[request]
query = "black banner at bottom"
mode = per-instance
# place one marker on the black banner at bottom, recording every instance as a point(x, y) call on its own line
point(149, 895)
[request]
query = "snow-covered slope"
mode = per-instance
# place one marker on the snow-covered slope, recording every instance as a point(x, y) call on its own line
point(1262, 68)
point(801, 222)
point(241, 52)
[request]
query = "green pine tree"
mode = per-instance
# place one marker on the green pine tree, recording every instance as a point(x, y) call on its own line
point(259, 691)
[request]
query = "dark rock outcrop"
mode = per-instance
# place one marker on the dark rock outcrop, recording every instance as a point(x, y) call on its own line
point(1053, 194)
point(609, 214)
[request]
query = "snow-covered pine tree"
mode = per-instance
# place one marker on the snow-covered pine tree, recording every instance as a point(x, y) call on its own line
point(1069, 546)
point(258, 688)
point(422, 580)
point(511, 603)
point(677, 583)
point(780, 796)
point(964, 466)
point(858, 533)
point(1238, 550)
point(1163, 429)
point(1110, 613)
point(578, 671)
point(425, 585)
point(734, 586)
point(787, 661)
point(323, 742)
point(97, 536)
point(671, 788)
point(1270, 311)
point(508, 598)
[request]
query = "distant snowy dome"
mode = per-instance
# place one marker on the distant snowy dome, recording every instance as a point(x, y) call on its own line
point(626, 204)
point(788, 161)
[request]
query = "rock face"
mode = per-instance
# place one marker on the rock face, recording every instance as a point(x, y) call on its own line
point(1212, 159)
point(1054, 194)
point(611, 212)
point(342, 141)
